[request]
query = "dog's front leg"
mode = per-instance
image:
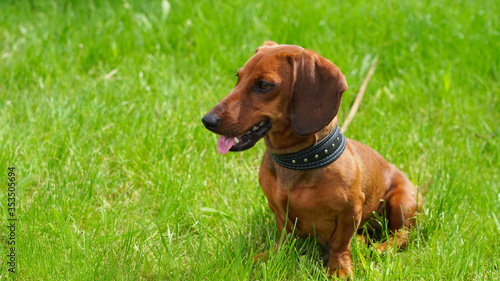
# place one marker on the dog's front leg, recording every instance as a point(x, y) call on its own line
point(282, 226)
point(339, 261)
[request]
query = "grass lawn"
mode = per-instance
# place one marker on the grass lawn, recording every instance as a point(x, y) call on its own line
point(117, 179)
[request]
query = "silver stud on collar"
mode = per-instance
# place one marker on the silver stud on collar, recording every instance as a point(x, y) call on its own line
point(333, 144)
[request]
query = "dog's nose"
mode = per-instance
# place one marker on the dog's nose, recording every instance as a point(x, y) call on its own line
point(211, 122)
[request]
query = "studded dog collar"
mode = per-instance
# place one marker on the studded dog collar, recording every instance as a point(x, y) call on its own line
point(326, 151)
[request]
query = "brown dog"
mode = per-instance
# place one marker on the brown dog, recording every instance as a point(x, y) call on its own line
point(315, 180)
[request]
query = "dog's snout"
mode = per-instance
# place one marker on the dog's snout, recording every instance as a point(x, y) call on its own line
point(211, 121)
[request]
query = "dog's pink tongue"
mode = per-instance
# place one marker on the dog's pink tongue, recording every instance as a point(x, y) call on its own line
point(224, 144)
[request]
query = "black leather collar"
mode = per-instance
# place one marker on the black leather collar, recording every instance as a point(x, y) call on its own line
point(326, 151)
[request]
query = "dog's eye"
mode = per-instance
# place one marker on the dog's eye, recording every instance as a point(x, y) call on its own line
point(263, 86)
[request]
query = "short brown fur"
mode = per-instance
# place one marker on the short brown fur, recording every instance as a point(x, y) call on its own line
point(330, 202)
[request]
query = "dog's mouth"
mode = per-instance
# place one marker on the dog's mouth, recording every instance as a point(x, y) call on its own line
point(244, 141)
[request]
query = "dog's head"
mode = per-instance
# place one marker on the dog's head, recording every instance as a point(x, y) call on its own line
point(281, 87)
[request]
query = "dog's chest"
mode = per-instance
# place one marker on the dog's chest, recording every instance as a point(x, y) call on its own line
point(310, 201)
point(307, 196)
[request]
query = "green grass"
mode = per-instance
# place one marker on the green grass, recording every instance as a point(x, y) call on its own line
point(100, 113)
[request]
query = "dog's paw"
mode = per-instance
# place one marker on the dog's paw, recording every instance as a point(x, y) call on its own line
point(397, 241)
point(362, 239)
point(342, 273)
point(262, 257)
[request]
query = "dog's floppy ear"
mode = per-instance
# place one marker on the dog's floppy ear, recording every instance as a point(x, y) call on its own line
point(317, 88)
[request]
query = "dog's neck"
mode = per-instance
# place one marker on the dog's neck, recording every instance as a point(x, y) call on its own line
point(285, 141)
